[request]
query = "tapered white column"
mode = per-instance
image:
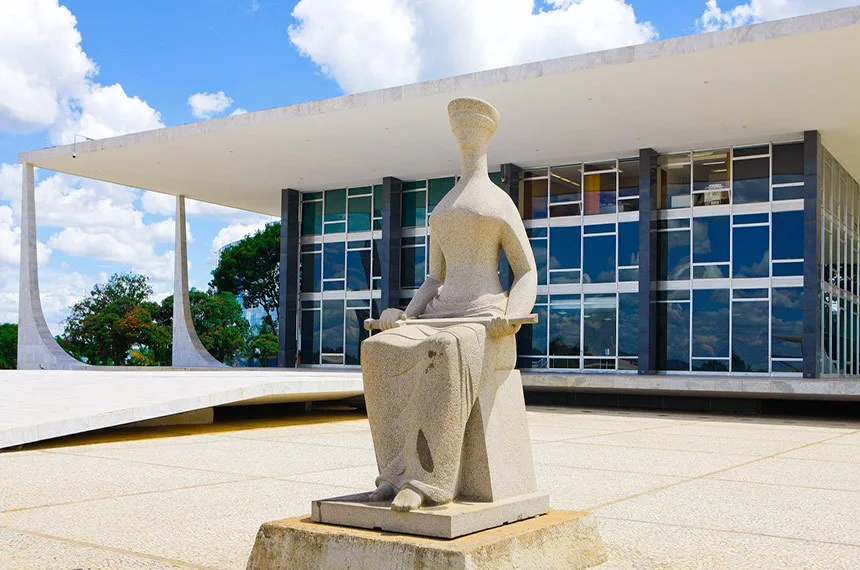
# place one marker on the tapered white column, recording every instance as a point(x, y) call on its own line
point(188, 351)
point(37, 348)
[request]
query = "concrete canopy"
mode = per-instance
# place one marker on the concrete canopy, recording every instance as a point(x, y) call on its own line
point(735, 86)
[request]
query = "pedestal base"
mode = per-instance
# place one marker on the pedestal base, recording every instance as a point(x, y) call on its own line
point(558, 540)
point(445, 521)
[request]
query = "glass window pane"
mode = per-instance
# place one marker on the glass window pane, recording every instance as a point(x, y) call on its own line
point(564, 325)
point(600, 194)
point(673, 336)
point(751, 181)
point(751, 252)
point(378, 202)
point(540, 253)
point(311, 273)
point(711, 239)
point(359, 214)
point(751, 150)
point(711, 323)
point(788, 235)
point(437, 189)
point(720, 271)
point(563, 210)
point(412, 261)
point(531, 340)
point(628, 178)
point(533, 196)
point(599, 263)
point(674, 179)
point(628, 243)
point(358, 270)
point(599, 325)
point(749, 336)
point(335, 205)
point(355, 333)
point(413, 213)
point(674, 260)
point(311, 218)
point(787, 163)
point(628, 324)
point(377, 262)
point(566, 184)
point(332, 327)
point(711, 365)
point(787, 323)
point(711, 170)
point(333, 260)
point(310, 337)
point(564, 250)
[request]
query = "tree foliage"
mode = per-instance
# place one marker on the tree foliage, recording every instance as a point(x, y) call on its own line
point(8, 346)
point(249, 268)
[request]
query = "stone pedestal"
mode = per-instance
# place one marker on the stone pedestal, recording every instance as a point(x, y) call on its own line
point(558, 540)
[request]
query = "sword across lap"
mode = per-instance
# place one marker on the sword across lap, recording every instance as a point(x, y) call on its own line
point(530, 319)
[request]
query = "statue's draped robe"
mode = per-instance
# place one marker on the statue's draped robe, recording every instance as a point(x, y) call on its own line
point(420, 384)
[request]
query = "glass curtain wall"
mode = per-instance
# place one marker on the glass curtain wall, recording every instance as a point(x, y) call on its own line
point(839, 259)
point(583, 224)
point(730, 260)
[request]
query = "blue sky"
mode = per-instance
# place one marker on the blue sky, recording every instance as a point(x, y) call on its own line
point(136, 65)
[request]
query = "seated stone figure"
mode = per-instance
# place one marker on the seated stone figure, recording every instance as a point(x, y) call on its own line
point(421, 381)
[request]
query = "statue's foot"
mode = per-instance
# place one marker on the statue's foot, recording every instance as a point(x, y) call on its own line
point(407, 500)
point(385, 492)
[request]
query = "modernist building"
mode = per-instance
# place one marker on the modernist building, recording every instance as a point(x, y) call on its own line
point(693, 206)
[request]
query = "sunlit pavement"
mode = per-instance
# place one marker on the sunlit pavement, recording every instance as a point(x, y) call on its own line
point(669, 490)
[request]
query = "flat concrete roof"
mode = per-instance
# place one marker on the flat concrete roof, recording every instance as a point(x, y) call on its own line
point(736, 86)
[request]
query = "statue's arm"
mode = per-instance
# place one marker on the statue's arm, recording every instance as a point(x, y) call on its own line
point(515, 243)
point(431, 285)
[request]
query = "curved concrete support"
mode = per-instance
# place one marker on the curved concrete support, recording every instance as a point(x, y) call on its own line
point(188, 351)
point(37, 348)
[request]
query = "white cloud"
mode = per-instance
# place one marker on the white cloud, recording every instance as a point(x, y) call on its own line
point(42, 65)
point(715, 18)
point(238, 111)
point(208, 105)
point(380, 43)
point(235, 232)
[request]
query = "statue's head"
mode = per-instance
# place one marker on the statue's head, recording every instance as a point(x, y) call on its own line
point(473, 122)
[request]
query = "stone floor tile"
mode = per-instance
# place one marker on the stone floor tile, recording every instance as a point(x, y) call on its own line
point(358, 478)
point(828, 452)
point(358, 439)
point(797, 472)
point(755, 431)
point(541, 432)
point(848, 439)
point(651, 439)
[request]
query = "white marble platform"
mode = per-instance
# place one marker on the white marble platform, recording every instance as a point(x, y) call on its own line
point(43, 404)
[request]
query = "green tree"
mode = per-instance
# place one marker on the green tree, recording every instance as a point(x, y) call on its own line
point(104, 326)
point(263, 347)
point(249, 268)
point(8, 346)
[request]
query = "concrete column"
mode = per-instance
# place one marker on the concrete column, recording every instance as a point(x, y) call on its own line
point(188, 351)
point(812, 191)
point(37, 348)
point(648, 261)
point(288, 290)
point(389, 248)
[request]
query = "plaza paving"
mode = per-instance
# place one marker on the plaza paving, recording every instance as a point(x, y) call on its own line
point(669, 490)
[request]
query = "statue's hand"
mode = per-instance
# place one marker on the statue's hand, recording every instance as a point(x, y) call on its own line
point(389, 317)
point(501, 327)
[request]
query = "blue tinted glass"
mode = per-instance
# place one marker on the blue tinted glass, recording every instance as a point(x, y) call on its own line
point(788, 367)
point(628, 243)
point(599, 229)
point(534, 197)
point(788, 269)
point(787, 323)
point(751, 252)
point(311, 218)
point(711, 239)
point(599, 325)
point(378, 201)
point(711, 365)
point(564, 277)
point(599, 262)
point(788, 164)
point(437, 189)
point(564, 250)
point(531, 339)
point(377, 260)
point(335, 228)
point(749, 336)
point(711, 271)
point(673, 336)
point(674, 249)
point(564, 327)
point(355, 333)
point(743, 219)
point(628, 274)
point(540, 253)
point(628, 324)
point(359, 214)
point(537, 232)
point(751, 181)
point(750, 293)
point(310, 337)
point(338, 285)
point(412, 267)
point(332, 326)
point(711, 323)
point(335, 205)
point(788, 235)
point(333, 260)
point(311, 273)
point(413, 209)
point(358, 270)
